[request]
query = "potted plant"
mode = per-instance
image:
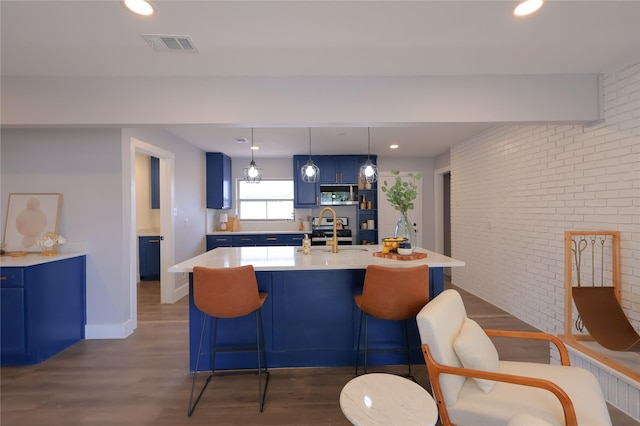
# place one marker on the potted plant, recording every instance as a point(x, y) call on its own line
point(401, 196)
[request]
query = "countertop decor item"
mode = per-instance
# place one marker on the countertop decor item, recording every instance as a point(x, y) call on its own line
point(29, 215)
point(49, 242)
point(401, 195)
point(397, 256)
point(405, 249)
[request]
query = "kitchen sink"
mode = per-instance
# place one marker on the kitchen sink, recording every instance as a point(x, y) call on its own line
point(327, 249)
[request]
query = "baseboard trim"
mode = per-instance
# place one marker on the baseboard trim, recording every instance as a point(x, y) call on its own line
point(109, 331)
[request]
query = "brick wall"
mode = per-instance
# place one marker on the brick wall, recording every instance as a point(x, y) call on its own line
point(516, 189)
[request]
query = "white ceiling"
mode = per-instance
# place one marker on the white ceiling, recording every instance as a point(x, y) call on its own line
point(319, 38)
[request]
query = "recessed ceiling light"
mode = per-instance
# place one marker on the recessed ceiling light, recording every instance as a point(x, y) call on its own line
point(255, 148)
point(141, 7)
point(527, 7)
point(394, 146)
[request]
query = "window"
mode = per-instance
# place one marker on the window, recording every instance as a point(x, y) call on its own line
point(267, 200)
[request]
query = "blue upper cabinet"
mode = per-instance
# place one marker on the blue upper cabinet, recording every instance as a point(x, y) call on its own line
point(338, 169)
point(155, 182)
point(305, 194)
point(218, 181)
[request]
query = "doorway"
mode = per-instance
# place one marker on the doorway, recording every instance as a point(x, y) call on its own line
point(166, 225)
point(388, 216)
point(442, 212)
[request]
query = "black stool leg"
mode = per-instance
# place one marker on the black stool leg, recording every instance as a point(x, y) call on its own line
point(260, 349)
point(406, 339)
point(195, 373)
point(359, 337)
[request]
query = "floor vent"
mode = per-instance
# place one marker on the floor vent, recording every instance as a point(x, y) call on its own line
point(169, 43)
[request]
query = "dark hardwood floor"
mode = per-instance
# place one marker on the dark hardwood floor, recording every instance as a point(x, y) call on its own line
point(144, 379)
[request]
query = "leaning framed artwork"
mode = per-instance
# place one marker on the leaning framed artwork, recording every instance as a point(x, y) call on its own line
point(28, 217)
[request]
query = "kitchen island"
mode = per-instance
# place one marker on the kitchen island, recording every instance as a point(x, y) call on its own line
point(310, 318)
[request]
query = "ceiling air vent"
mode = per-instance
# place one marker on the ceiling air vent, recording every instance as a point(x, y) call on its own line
point(169, 43)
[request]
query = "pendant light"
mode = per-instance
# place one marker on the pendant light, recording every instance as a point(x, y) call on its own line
point(369, 171)
point(252, 174)
point(310, 173)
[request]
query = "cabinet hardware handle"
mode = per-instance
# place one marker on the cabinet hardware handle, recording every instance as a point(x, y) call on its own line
point(272, 239)
point(3, 278)
point(154, 241)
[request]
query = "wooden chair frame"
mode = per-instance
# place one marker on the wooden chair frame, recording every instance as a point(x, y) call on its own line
point(574, 340)
point(435, 369)
point(568, 276)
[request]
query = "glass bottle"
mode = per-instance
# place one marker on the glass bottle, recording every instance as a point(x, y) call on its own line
point(404, 228)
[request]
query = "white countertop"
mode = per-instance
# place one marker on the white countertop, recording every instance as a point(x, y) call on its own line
point(32, 259)
point(283, 258)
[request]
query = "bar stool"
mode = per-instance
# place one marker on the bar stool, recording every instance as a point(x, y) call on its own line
point(229, 293)
point(395, 294)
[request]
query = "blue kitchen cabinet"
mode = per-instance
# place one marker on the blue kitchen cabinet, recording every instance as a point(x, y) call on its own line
point(338, 169)
point(247, 240)
point(293, 239)
point(215, 241)
point(154, 167)
point(218, 181)
point(271, 240)
point(251, 240)
point(306, 195)
point(149, 258)
point(43, 309)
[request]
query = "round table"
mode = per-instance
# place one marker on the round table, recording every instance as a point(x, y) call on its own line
point(387, 399)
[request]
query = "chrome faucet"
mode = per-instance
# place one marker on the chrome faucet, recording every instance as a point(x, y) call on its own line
point(334, 240)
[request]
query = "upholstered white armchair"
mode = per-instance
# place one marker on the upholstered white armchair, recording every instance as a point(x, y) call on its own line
point(473, 387)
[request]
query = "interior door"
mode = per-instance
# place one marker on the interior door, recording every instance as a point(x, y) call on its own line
point(388, 216)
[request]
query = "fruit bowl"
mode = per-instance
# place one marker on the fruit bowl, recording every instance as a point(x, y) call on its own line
point(392, 243)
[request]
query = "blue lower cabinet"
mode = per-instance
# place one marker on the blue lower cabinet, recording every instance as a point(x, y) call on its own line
point(245, 240)
point(149, 258)
point(293, 239)
point(310, 320)
point(42, 309)
point(215, 241)
point(271, 240)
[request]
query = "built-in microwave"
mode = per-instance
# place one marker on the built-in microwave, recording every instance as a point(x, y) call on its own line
point(338, 195)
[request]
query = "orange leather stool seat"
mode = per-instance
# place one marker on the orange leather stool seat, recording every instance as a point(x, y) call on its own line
point(395, 294)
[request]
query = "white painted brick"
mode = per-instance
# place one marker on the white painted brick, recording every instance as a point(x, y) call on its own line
point(516, 189)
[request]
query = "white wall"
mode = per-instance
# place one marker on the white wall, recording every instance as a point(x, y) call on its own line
point(516, 189)
point(85, 166)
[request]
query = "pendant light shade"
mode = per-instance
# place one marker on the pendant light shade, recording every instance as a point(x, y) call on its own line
point(253, 173)
point(369, 171)
point(310, 173)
